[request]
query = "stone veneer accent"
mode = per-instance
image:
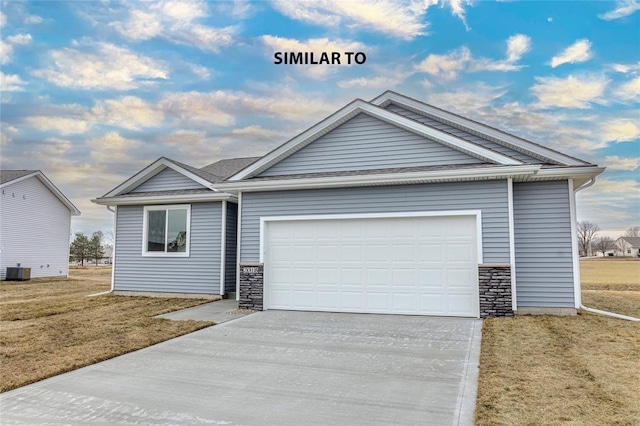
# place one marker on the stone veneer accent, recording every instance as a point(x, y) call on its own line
point(494, 282)
point(251, 286)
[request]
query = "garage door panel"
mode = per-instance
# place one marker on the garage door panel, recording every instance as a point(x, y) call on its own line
point(377, 252)
point(353, 300)
point(459, 277)
point(303, 276)
point(327, 276)
point(280, 275)
point(459, 252)
point(352, 253)
point(432, 303)
point(304, 253)
point(460, 303)
point(328, 253)
point(403, 253)
point(404, 302)
point(431, 252)
point(351, 276)
point(377, 301)
point(280, 252)
point(327, 299)
point(413, 265)
point(377, 277)
point(303, 299)
point(431, 277)
point(402, 276)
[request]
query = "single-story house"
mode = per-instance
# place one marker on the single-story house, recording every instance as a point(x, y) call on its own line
point(35, 224)
point(387, 206)
point(628, 246)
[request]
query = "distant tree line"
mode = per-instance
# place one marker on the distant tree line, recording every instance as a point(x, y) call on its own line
point(588, 239)
point(85, 248)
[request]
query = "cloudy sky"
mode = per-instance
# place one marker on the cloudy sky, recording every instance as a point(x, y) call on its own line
point(94, 91)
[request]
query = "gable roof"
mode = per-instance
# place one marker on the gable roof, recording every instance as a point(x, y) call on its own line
point(462, 123)
point(229, 166)
point(202, 177)
point(633, 241)
point(10, 177)
point(359, 106)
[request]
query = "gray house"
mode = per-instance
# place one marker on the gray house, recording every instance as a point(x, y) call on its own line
point(35, 224)
point(388, 206)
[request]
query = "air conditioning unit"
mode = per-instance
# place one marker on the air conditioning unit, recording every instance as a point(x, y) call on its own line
point(18, 274)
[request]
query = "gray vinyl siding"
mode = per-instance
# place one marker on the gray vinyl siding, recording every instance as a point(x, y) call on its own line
point(231, 244)
point(167, 180)
point(488, 196)
point(542, 229)
point(198, 273)
point(462, 134)
point(34, 229)
point(365, 143)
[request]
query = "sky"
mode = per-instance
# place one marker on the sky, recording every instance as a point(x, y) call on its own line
point(94, 91)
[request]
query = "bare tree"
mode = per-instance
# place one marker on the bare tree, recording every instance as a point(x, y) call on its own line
point(586, 233)
point(603, 244)
point(634, 231)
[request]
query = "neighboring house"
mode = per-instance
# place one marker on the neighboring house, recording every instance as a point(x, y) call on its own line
point(628, 246)
point(388, 206)
point(35, 224)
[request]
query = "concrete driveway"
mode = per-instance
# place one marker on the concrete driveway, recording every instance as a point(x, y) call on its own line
point(278, 368)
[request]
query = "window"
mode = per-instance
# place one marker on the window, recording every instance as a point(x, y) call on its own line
point(166, 230)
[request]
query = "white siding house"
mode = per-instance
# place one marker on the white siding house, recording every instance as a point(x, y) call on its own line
point(35, 220)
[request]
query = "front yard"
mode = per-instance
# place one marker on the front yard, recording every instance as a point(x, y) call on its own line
point(49, 326)
point(533, 369)
point(582, 370)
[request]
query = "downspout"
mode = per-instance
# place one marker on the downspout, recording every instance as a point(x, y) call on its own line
point(113, 262)
point(585, 308)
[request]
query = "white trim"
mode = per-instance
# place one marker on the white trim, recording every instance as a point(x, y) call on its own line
point(384, 178)
point(113, 254)
point(512, 246)
point(150, 171)
point(476, 213)
point(223, 245)
point(50, 186)
point(166, 207)
point(202, 197)
point(574, 246)
point(238, 243)
point(445, 213)
point(462, 123)
point(351, 110)
point(584, 172)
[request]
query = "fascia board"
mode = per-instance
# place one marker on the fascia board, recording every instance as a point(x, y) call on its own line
point(359, 106)
point(51, 187)
point(508, 140)
point(569, 172)
point(149, 172)
point(123, 201)
point(381, 179)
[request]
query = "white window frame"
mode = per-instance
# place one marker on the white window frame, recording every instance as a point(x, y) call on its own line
point(166, 207)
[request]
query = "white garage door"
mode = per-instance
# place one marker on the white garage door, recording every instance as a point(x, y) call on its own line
point(399, 265)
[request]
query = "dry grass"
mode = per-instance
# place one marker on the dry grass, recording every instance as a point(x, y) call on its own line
point(49, 326)
point(548, 370)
